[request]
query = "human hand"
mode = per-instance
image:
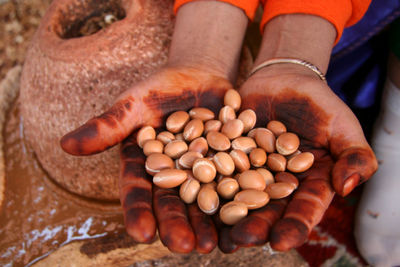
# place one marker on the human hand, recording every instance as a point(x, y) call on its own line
point(328, 129)
point(146, 206)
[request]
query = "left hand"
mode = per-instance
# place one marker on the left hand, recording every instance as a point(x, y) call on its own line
point(327, 128)
point(147, 207)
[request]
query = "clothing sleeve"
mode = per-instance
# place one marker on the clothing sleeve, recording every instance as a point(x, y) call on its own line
point(248, 6)
point(341, 13)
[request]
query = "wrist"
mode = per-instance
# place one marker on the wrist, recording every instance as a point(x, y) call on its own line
point(208, 35)
point(300, 36)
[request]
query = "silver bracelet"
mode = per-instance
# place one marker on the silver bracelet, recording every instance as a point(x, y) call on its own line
point(289, 60)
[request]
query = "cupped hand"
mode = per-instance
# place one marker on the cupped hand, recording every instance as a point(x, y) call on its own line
point(146, 207)
point(328, 129)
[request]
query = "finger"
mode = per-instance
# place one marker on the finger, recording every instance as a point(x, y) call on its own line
point(225, 242)
point(354, 165)
point(136, 193)
point(103, 131)
point(173, 224)
point(204, 229)
point(254, 229)
point(306, 208)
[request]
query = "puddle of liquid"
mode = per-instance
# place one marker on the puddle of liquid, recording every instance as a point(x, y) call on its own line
point(38, 216)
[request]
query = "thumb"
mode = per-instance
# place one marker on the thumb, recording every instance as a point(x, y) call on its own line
point(355, 162)
point(104, 131)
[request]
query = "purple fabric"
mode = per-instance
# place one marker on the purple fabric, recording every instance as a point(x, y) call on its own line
point(358, 61)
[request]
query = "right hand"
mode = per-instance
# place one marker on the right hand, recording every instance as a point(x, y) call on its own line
point(328, 129)
point(146, 206)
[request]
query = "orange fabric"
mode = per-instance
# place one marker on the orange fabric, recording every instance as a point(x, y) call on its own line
point(248, 6)
point(341, 13)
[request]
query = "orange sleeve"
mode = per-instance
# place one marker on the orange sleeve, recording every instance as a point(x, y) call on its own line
point(248, 6)
point(341, 13)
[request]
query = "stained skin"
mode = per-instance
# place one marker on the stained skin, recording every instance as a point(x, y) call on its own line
point(146, 207)
point(328, 129)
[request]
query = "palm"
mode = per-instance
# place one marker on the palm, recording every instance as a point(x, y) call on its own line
point(329, 130)
point(145, 206)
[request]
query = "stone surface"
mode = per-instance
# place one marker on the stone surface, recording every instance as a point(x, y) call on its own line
point(66, 81)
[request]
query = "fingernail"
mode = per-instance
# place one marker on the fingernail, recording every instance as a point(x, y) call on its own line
point(350, 183)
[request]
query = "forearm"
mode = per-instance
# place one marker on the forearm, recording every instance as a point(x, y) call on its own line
point(208, 34)
point(307, 37)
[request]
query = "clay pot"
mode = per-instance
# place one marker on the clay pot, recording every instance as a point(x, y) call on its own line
point(68, 78)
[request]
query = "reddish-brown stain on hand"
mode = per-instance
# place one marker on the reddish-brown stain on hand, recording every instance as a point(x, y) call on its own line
point(137, 196)
point(99, 133)
point(163, 104)
point(288, 233)
point(225, 242)
point(204, 229)
point(174, 228)
point(299, 113)
point(254, 229)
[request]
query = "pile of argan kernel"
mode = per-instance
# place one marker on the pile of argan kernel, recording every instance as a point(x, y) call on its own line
point(227, 158)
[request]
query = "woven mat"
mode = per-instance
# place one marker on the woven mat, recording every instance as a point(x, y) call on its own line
point(332, 242)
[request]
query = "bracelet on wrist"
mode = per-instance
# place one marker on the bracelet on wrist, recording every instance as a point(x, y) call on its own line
point(289, 60)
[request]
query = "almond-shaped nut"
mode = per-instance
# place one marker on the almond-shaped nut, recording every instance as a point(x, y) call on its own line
point(252, 132)
point(169, 178)
point(233, 128)
point(189, 190)
point(177, 121)
point(203, 114)
point(286, 177)
point(193, 129)
point(157, 162)
point(276, 127)
point(279, 190)
point(240, 159)
point(254, 199)
point(276, 162)
point(178, 166)
point(293, 154)
point(224, 163)
point(218, 141)
point(204, 170)
point(212, 125)
point(251, 179)
point(153, 146)
point(258, 157)
point(232, 98)
point(226, 114)
point(179, 136)
point(227, 187)
point(301, 162)
point(211, 184)
point(165, 137)
point(267, 175)
point(265, 139)
point(199, 145)
point(232, 212)
point(187, 159)
point(287, 143)
point(175, 149)
point(244, 143)
point(208, 200)
point(249, 119)
point(144, 134)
